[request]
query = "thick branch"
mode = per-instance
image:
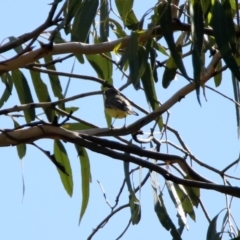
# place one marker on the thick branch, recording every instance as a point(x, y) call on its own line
point(82, 48)
point(39, 132)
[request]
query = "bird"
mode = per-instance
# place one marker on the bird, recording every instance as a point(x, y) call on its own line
point(116, 105)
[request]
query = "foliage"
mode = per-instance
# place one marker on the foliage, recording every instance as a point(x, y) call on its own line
point(81, 30)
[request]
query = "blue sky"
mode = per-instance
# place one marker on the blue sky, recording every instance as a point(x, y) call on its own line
point(47, 212)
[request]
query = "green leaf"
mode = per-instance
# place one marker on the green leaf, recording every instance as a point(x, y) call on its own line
point(69, 12)
point(117, 28)
point(71, 109)
point(7, 80)
point(21, 148)
point(178, 204)
point(135, 206)
point(103, 68)
point(185, 201)
point(212, 230)
point(24, 93)
point(127, 14)
point(197, 27)
point(54, 80)
point(149, 90)
point(19, 48)
point(193, 193)
point(206, 6)
point(131, 55)
point(86, 178)
point(235, 84)
point(42, 93)
point(223, 35)
point(218, 77)
point(104, 21)
point(153, 56)
point(169, 72)
point(166, 25)
point(163, 215)
point(83, 20)
point(230, 23)
point(62, 157)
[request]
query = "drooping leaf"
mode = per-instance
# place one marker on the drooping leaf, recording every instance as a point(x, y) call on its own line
point(165, 16)
point(103, 68)
point(7, 80)
point(169, 72)
point(54, 80)
point(197, 27)
point(42, 93)
point(86, 178)
point(132, 56)
point(231, 28)
point(193, 193)
point(236, 92)
point(135, 206)
point(127, 14)
point(62, 157)
point(117, 28)
point(212, 230)
point(178, 204)
point(223, 35)
point(149, 90)
point(153, 56)
point(24, 93)
point(163, 215)
point(218, 77)
point(206, 6)
point(69, 12)
point(19, 48)
point(104, 21)
point(185, 200)
point(83, 20)
point(21, 148)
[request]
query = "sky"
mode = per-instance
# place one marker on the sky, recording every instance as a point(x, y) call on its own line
point(47, 212)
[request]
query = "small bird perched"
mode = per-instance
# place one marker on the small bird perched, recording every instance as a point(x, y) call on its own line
point(116, 105)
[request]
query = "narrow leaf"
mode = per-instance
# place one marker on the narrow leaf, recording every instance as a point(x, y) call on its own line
point(86, 178)
point(218, 77)
point(24, 93)
point(221, 26)
point(173, 194)
point(104, 20)
point(19, 48)
point(185, 201)
point(197, 27)
point(7, 80)
point(117, 28)
point(212, 229)
point(21, 148)
point(149, 90)
point(135, 206)
point(163, 216)
point(131, 55)
point(62, 157)
point(42, 93)
point(54, 80)
point(127, 14)
point(69, 12)
point(169, 72)
point(166, 25)
point(83, 20)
